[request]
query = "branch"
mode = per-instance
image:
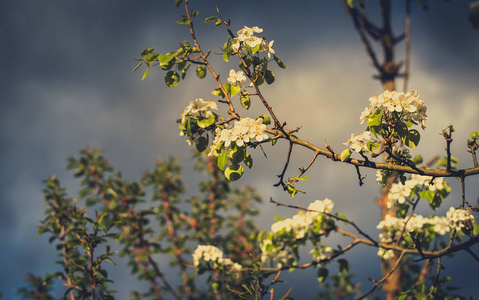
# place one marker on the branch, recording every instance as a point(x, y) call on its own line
point(385, 277)
point(231, 111)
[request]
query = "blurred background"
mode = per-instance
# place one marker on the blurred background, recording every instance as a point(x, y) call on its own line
point(66, 83)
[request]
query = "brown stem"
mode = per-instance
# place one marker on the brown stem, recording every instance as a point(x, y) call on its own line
point(231, 111)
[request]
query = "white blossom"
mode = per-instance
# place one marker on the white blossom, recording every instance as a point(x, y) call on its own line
point(243, 132)
point(359, 142)
point(408, 105)
point(458, 218)
point(236, 77)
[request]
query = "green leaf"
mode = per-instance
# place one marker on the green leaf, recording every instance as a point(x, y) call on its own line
point(222, 160)
point(146, 73)
point(201, 71)
point(322, 274)
point(245, 101)
point(269, 77)
point(137, 66)
point(203, 123)
point(266, 119)
point(237, 155)
point(209, 19)
point(413, 138)
point(417, 160)
point(343, 265)
point(234, 172)
point(178, 2)
point(201, 144)
point(218, 22)
point(168, 65)
point(303, 178)
point(375, 119)
point(166, 58)
point(474, 135)
point(279, 62)
point(248, 160)
point(255, 49)
point(345, 155)
point(372, 145)
point(231, 89)
point(172, 79)
point(226, 56)
point(183, 21)
point(218, 92)
point(146, 52)
point(442, 162)
point(195, 13)
point(476, 228)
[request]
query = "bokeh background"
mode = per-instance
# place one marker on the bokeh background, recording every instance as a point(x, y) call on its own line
point(66, 83)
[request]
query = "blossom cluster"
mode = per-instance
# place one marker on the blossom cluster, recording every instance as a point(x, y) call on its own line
point(276, 248)
point(244, 131)
point(399, 193)
point(391, 227)
point(408, 105)
point(199, 109)
point(459, 218)
point(359, 142)
point(197, 115)
point(300, 223)
point(246, 37)
point(236, 78)
point(211, 253)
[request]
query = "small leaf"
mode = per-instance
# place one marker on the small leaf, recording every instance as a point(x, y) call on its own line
point(226, 56)
point(345, 155)
point(303, 178)
point(266, 119)
point(166, 58)
point(218, 92)
point(222, 160)
point(343, 265)
point(218, 22)
point(474, 135)
point(234, 172)
point(172, 79)
point(183, 21)
point(232, 89)
point(375, 119)
point(209, 19)
point(413, 138)
point(248, 160)
point(351, 3)
point(146, 73)
point(137, 66)
point(201, 144)
point(417, 160)
point(245, 101)
point(178, 2)
point(322, 274)
point(203, 123)
point(279, 62)
point(201, 71)
point(237, 155)
point(269, 77)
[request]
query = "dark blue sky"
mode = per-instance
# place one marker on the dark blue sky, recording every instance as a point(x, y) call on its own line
point(66, 83)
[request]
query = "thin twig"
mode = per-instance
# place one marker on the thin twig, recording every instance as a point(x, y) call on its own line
point(384, 278)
